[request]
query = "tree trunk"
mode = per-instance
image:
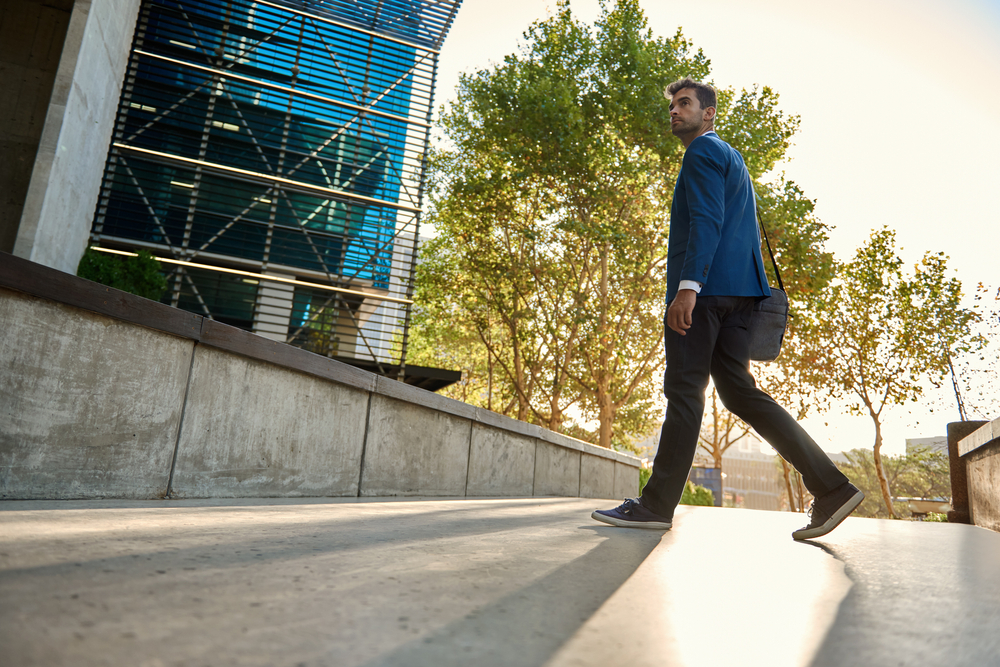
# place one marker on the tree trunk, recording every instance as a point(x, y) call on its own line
point(801, 491)
point(787, 471)
point(519, 386)
point(879, 470)
point(607, 418)
point(605, 413)
point(489, 381)
point(555, 413)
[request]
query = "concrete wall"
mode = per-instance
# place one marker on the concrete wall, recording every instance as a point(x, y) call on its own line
point(980, 453)
point(107, 395)
point(32, 33)
point(86, 402)
point(65, 178)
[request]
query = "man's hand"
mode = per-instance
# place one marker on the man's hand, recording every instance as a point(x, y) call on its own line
point(679, 312)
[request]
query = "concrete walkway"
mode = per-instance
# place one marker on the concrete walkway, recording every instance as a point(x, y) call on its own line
point(482, 582)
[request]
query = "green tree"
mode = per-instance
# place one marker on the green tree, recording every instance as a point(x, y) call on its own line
point(927, 475)
point(551, 208)
point(139, 275)
point(921, 473)
point(693, 494)
point(886, 332)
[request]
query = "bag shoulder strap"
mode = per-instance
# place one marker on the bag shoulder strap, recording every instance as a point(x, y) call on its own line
point(777, 274)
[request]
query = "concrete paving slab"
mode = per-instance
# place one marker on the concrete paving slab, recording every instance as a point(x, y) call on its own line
point(527, 581)
point(923, 594)
point(724, 588)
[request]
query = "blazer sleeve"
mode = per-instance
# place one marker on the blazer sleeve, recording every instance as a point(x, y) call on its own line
point(705, 181)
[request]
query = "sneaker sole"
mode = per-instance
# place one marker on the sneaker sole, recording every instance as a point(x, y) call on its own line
point(833, 521)
point(651, 525)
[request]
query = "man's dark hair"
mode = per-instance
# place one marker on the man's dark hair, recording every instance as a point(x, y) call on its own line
point(704, 92)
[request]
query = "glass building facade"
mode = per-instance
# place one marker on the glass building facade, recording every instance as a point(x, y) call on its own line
point(271, 154)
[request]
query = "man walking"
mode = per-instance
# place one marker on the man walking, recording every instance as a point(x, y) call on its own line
point(715, 274)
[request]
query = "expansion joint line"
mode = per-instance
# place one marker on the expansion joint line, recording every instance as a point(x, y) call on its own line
point(364, 440)
point(180, 425)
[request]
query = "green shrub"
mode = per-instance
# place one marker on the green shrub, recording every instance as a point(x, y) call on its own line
point(644, 474)
point(693, 494)
point(136, 275)
point(697, 495)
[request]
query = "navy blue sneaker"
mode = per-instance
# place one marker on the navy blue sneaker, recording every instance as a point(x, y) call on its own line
point(631, 514)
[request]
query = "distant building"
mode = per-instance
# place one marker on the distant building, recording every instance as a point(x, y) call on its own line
point(937, 443)
point(751, 476)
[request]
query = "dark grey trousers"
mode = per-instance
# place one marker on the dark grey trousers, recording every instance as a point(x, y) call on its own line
point(718, 344)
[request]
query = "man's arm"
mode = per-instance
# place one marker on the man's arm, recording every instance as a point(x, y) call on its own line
point(705, 185)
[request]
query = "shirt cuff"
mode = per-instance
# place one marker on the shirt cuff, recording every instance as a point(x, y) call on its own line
point(690, 284)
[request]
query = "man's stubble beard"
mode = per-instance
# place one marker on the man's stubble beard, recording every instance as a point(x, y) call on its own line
point(683, 130)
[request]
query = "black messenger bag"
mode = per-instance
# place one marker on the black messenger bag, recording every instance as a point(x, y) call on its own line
point(770, 315)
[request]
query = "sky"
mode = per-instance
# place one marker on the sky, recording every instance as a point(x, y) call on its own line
point(900, 124)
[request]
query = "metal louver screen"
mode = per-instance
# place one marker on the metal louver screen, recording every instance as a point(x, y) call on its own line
point(285, 140)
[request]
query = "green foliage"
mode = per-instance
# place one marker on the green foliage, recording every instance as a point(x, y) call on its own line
point(920, 473)
point(644, 475)
point(139, 275)
point(885, 332)
point(697, 495)
point(551, 202)
point(886, 329)
point(936, 517)
point(753, 125)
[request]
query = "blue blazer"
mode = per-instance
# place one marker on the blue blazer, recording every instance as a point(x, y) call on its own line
point(714, 238)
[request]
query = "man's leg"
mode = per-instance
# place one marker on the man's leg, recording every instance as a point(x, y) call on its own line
point(689, 360)
point(741, 396)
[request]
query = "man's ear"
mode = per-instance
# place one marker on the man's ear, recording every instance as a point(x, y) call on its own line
point(709, 114)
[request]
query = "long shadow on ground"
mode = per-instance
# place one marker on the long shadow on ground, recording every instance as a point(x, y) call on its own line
point(527, 626)
point(924, 595)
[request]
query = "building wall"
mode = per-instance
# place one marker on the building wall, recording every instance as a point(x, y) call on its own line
point(753, 484)
point(980, 454)
point(339, 97)
point(937, 443)
point(66, 173)
point(32, 33)
point(288, 139)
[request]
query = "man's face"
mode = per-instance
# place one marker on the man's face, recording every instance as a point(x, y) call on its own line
point(687, 118)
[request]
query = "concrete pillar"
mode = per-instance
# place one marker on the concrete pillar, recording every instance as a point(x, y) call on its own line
point(66, 175)
point(959, 481)
point(32, 33)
